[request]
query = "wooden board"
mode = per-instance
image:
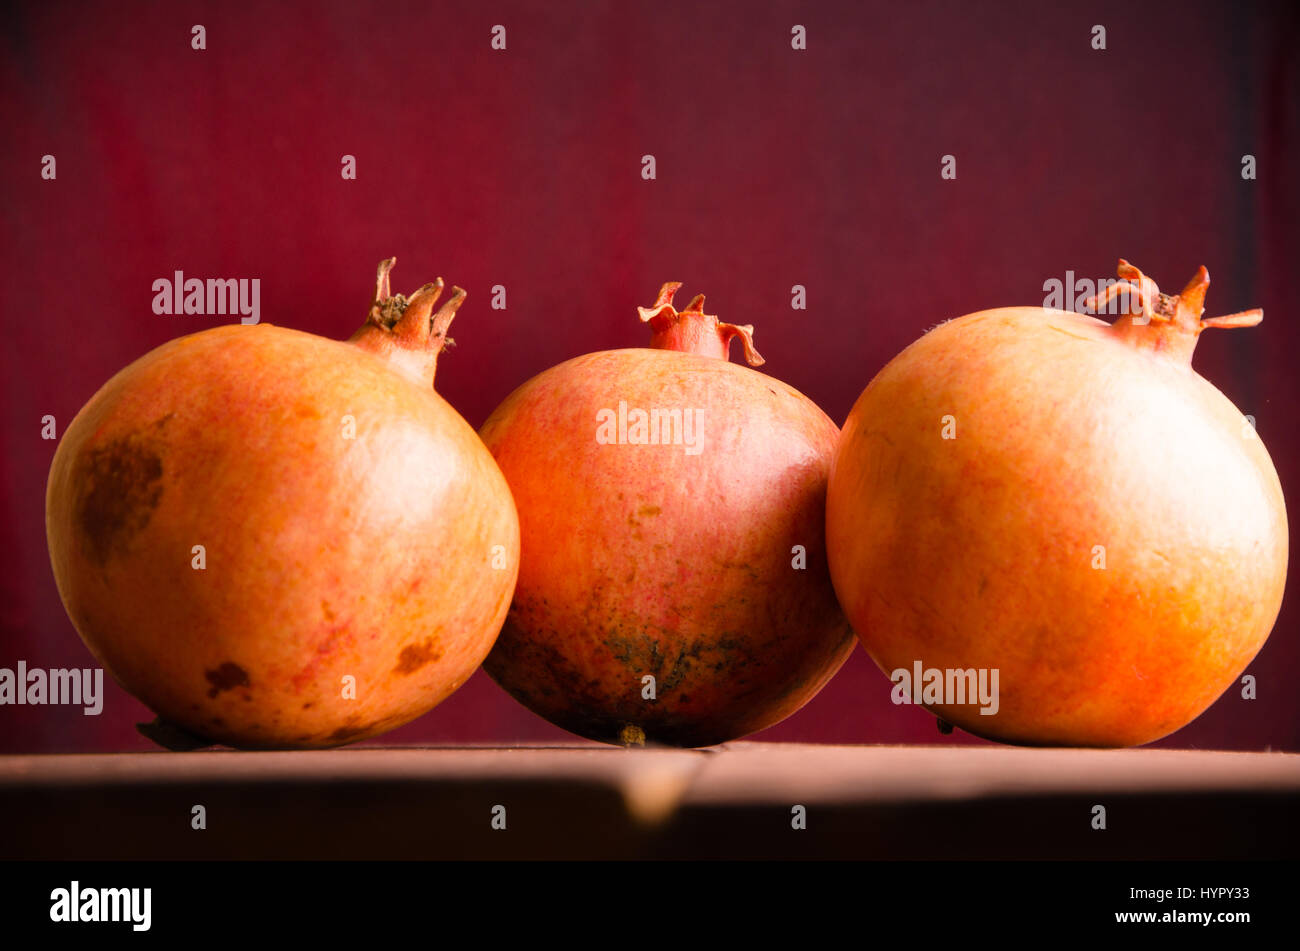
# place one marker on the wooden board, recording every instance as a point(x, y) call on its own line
point(591, 801)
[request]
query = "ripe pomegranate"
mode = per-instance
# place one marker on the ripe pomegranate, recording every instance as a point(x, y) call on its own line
point(1067, 502)
point(672, 511)
point(277, 540)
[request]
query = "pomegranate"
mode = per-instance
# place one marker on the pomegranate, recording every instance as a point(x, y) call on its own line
point(1064, 503)
point(277, 540)
point(673, 587)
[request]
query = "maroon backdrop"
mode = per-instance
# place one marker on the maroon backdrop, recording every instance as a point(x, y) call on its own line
point(522, 167)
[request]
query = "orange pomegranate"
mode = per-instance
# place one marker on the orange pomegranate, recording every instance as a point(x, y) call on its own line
point(277, 540)
point(1065, 502)
point(673, 586)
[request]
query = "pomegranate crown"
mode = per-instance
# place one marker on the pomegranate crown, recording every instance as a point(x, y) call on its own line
point(407, 332)
point(1163, 323)
point(413, 318)
point(692, 330)
point(1184, 310)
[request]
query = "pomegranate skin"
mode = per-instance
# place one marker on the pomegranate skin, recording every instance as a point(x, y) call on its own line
point(1077, 444)
point(327, 555)
point(646, 560)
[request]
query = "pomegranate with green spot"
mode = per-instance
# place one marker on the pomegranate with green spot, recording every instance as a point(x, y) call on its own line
point(673, 586)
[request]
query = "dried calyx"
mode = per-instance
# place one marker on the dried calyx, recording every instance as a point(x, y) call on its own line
point(692, 330)
point(1164, 323)
point(407, 332)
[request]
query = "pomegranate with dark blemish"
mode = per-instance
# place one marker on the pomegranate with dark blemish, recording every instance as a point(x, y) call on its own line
point(359, 545)
point(1068, 503)
point(673, 586)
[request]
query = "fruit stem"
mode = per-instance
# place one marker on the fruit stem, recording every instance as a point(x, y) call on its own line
point(1162, 323)
point(406, 332)
point(694, 331)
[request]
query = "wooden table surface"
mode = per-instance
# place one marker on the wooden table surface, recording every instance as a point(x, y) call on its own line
point(591, 801)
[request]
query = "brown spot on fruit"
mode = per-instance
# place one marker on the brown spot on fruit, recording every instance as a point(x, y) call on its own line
point(227, 677)
point(345, 733)
point(649, 510)
point(415, 656)
point(120, 485)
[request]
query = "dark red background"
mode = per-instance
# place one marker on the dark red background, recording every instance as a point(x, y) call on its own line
point(522, 168)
